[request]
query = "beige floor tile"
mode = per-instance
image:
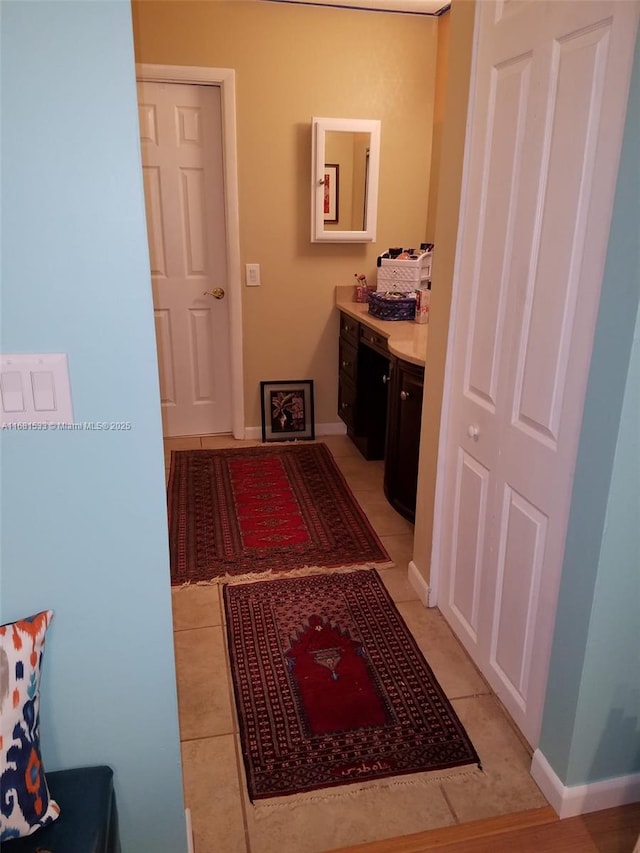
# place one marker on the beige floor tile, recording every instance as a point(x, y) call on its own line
point(382, 516)
point(398, 587)
point(505, 785)
point(338, 820)
point(452, 667)
point(212, 792)
point(196, 606)
point(400, 549)
point(204, 704)
point(360, 474)
point(184, 442)
point(220, 442)
point(187, 442)
point(340, 446)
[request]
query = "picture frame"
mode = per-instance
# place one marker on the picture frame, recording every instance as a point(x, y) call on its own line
point(366, 188)
point(287, 410)
point(331, 191)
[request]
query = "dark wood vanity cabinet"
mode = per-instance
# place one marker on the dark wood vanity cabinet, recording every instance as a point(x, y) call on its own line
point(403, 437)
point(380, 401)
point(362, 386)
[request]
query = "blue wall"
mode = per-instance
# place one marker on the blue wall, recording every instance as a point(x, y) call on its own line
point(591, 726)
point(84, 513)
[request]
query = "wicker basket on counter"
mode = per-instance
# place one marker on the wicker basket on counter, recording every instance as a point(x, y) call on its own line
point(392, 305)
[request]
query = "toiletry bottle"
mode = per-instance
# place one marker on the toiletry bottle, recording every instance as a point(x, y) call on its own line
point(423, 301)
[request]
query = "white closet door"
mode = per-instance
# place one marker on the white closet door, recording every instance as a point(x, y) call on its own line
point(546, 123)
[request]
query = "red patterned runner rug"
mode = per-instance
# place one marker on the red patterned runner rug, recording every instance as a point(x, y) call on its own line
point(331, 688)
point(238, 512)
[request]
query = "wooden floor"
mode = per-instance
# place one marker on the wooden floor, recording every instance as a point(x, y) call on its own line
point(537, 831)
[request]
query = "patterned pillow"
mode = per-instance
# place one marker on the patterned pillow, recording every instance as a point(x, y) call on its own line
point(25, 802)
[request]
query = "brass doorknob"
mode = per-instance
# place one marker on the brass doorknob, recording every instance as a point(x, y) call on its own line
point(217, 293)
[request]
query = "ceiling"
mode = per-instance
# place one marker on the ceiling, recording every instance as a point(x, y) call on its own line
point(416, 7)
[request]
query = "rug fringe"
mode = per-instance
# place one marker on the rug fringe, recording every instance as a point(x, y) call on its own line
point(270, 574)
point(262, 808)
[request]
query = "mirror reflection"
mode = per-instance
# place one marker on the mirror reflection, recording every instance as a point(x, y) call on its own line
point(346, 169)
point(344, 189)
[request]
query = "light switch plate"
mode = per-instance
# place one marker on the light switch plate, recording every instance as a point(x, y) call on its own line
point(252, 278)
point(35, 388)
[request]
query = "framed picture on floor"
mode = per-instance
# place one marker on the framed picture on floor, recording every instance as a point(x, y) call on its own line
point(287, 410)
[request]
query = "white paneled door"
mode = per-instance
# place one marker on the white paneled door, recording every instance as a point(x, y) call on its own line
point(181, 141)
point(546, 122)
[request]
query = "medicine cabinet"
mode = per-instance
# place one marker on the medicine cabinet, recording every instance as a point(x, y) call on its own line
point(344, 180)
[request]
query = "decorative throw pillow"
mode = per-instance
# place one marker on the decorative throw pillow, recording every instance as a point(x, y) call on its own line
point(25, 802)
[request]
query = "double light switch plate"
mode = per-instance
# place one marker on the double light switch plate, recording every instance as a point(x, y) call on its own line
point(35, 389)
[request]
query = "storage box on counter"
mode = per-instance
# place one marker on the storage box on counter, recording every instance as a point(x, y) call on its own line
point(404, 269)
point(393, 305)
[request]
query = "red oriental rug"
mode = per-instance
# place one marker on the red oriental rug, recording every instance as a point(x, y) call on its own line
point(263, 509)
point(331, 687)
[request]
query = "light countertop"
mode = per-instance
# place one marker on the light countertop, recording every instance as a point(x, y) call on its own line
point(406, 339)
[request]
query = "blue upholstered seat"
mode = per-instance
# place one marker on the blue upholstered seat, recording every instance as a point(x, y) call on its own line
point(88, 821)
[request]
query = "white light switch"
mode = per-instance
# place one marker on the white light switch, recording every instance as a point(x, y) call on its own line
point(35, 388)
point(11, 388)
point(42, 385)
point(252, 275)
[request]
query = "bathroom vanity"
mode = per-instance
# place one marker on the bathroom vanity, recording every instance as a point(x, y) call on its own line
point(380, 382)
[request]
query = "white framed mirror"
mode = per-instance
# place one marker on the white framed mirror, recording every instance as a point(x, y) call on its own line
point(345, 164)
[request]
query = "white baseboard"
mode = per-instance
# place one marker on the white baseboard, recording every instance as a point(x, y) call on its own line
point(338, 428)
point(321, 429)
point(190, 846)
point(569, 801)
point(419, 584)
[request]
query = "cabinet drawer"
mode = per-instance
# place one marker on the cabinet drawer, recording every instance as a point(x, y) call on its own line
point(347, 401)
point(348, 359)
point(349, 328)
point(374, 340)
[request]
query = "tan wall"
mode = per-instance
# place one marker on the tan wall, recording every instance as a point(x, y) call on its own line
point(446, 230)
point(294, 62)
point(442, 63)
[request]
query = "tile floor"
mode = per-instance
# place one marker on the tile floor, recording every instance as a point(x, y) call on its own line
point(224, 821)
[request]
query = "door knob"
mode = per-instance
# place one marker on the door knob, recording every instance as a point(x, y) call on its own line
point(473, 432)
point(404, 395)
point(217, 293)
point(385, 379)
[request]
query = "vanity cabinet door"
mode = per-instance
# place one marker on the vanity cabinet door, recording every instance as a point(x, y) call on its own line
point(372, 388)
point(363, 374)
point(403, 437)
